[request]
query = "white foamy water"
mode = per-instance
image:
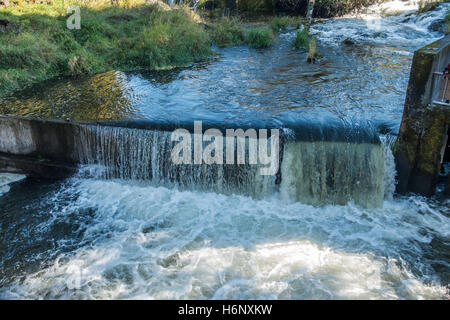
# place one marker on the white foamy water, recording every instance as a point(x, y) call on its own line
point(394, 22)
point(6, 179)
point(157, 243)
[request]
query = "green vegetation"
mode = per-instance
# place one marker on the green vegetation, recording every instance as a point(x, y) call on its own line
point(312, 52)
point(35, 43)
point(281, 24)
point(302, 39)
point(325, 8)
point(256, 5)
point(228, 32)
point(260, 38)
point(428, 5)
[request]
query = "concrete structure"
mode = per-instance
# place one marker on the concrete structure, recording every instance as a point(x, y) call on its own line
point(41, 148)
point(421, 143)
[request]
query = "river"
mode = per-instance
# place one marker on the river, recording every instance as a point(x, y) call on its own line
point(119, 237)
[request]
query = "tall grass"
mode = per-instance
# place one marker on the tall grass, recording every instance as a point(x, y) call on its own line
point(260, 38)
point(228, 32)
point(302, 39)
point(129, 36)
point(281, 24)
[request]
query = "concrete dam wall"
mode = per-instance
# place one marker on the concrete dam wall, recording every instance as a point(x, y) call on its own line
point(423, 138)
point(316, 164)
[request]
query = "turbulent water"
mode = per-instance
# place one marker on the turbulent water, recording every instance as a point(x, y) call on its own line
point(119, 239)
point(121, 229)
point(313, 171)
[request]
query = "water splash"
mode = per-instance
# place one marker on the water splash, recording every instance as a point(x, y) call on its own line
point(316, 172)
point(395, 22)
point(156, 243)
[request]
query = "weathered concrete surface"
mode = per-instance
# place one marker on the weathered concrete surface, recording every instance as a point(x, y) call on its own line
point(54, 148)
point(41, 148)
point(46, 139)
point(423, 129)
point(35, 167)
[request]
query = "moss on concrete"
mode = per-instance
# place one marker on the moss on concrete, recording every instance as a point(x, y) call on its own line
point(429, 157)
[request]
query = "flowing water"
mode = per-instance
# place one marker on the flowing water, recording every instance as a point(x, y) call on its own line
point(130, 225)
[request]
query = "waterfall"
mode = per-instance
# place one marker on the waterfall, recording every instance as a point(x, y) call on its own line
point(146, 155)
point(333, 172)
point(320, 171)
point(390, 176)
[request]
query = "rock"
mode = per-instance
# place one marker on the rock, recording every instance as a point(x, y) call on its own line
point(380, 35)
point(8, 178)
point(313, 58)
point(437, 26)
point(349, 42)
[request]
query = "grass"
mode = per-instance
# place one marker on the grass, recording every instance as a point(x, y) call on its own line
point(302, 39)
point(259, 38)
point(37, 45)
point(132, 35)
point(228, 32)
point(281, 24)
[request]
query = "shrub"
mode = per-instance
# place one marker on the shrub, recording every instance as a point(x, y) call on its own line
point(227, 32)
point(260, 38)
point(302, 39)
point(280, 24)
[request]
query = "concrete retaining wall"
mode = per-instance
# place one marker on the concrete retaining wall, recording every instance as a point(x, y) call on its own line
point(422, 133)
point(43, 148)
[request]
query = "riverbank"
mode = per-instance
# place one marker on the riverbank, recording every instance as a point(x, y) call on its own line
point(134, 35)
point(36, 44)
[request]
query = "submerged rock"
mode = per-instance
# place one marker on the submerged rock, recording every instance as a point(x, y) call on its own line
point(437, 26)
point(6, 179)
point(349, 42)
point(380, 35)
